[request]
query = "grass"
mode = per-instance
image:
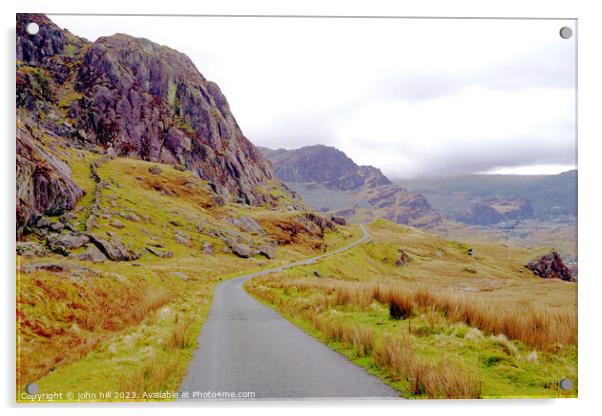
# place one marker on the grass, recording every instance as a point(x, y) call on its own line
point(418, 327)
point(97, 327)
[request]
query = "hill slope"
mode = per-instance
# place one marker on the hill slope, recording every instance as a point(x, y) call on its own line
point(129, 97)
point(328, 180)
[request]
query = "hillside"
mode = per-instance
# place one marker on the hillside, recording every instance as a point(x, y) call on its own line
point(435, 317)
point(136, 194)
point(329, 181)
point(128, 97)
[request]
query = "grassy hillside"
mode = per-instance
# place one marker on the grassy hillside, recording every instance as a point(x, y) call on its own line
point(131, 326)
point(435, 317)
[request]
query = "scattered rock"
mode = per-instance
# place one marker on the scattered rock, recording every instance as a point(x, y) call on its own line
point(532, 358)
point(30, 249)
point(117, 224)
point(91, 223)
point(160, 253)
point(338, 220)
point(267, 251)
point(317, 274)
point(57, 226)
point(439, 253)
point(182, 238)
point(470, 252)
point(66, 217)
point(181, 168)
point(403, 258)
point(155, 170)
point(62, 243)
point(241, 250)
point(131, 216)
point(92, 254)
point(247, 224)
point(175, 223)
point(112, 247)
point(207, 248)
point(550, 266)
point(44, 222)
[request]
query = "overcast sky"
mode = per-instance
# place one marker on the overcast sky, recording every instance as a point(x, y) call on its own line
point(414, 97)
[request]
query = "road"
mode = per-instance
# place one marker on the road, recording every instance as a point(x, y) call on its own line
point(247, 347)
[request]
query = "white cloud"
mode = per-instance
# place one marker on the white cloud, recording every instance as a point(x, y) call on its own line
point(412, 97)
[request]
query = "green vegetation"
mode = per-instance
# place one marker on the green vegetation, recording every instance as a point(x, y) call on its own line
point(131, 326)
point(493, 331)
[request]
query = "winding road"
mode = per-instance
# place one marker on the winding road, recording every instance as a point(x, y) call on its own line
point(245, 346)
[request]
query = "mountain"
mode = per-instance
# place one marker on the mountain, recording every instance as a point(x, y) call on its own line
point(324, 165)
point(328, 180)
point(491, 199)
point(128, 97)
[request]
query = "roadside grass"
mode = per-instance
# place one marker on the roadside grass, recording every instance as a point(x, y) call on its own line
point(510, 335)
point(131, 326)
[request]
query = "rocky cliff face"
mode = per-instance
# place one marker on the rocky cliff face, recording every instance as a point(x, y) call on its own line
point(324, 165)
point(364, 193)
point(133, 98)
point(494, 210)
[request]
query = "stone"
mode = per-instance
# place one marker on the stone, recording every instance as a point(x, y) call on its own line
point(130, 216)
point(159, 253)
point(207, 248)
point(117, 224)
point(92, 254)
point(338, 220)
point(247, 224)
point(182, 238)
point(550, 266)
point(267, 251)
point(62, 243)
point(44, 222)
point(57, 226)
point(155, 170)
point(403, 258)
point(30, 249)
point(112, 247)
point(241, 250)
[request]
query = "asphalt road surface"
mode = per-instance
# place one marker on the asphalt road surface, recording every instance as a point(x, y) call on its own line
point(247, 347)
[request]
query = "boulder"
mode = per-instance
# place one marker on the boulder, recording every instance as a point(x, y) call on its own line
point(182, 238)
point(117, 224)
point(62, 243)
point(92, 254)
point(247, 224)
point(181, 275)
point(267, 251)
point(112, 247)
point(30, 249)
point(160, 253)
point(207, 248)
point(338, 220)
point(241, 250)
point(550, 266)
point(403, 258)
point(155, 170)
point(131, 216)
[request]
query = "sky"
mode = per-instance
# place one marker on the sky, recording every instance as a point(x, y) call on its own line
point(413, 97)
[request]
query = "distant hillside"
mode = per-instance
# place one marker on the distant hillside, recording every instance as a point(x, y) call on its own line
point(542, 197)
point(328, 180)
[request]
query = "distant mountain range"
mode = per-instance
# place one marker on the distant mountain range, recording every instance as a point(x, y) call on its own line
point(492, 199)
point(328, 180)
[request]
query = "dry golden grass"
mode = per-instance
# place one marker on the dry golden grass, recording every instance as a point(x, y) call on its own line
point(181, 337)
point(153, 377)
point(537, 325)
point(444, 379)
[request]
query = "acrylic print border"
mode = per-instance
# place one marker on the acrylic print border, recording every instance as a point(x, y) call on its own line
point(247, 16)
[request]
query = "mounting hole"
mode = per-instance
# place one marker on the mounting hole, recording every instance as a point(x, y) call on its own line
point(566, 32)
point(566, 384)
point(32, 28)
point(32, 388)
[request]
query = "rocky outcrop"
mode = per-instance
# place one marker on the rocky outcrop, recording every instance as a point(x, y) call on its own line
point(494, 210)
point(44, 184)
point(550, 266)
point(325, 165)
point(330, 181)
point(112, 247)
point(131, 97)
